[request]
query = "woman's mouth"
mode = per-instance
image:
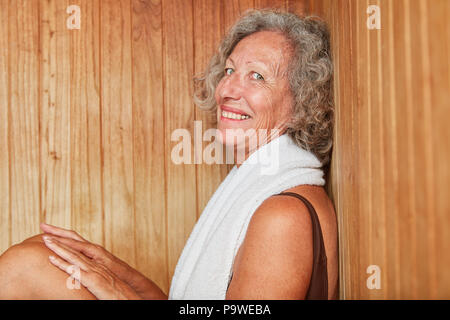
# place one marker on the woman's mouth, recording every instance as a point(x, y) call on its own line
point(232, 114)
point(227, 115)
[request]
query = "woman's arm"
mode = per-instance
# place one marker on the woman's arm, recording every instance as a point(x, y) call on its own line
point(276, 256)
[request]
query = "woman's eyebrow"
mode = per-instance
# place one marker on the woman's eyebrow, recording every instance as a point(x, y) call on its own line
point(229, 58)
point(274, 68)
point(248, 62)
point(260, 63)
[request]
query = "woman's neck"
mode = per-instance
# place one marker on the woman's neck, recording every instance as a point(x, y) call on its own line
point(249, 151)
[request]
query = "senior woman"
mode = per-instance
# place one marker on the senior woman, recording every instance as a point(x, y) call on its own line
point(262, 235)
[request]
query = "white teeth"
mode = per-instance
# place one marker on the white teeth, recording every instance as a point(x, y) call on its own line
point(235, 116)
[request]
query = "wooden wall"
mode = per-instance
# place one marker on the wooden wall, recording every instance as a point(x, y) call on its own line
point(390, 168)
point(86, 118)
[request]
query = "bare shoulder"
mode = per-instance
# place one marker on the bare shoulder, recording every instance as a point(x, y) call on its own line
point(281, 215)
point(324, 208)
point(290, 217)
point(26, 273)
point(275, 258)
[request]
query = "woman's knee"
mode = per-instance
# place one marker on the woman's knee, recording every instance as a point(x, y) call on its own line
point(26, 273)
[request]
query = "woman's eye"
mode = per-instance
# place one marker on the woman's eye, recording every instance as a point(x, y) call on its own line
point(228, 71)
point(257, 76)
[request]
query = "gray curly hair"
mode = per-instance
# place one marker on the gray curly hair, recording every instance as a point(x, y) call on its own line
point(309, 73)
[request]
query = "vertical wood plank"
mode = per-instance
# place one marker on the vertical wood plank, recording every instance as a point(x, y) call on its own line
point(416, 129)
point(5, 212)
point(409, 230)
point(270, 4)
point(365, 211)
point(23, 118)
point(348, 199)
point(178, 114)
point(321, 7)
point(117, 129)
point(423, 108)
point(377, 201)
point(232, 10)
point(55, 157)
point(148, 129)
point(85, 133)
point(403, 112)
point(393, 193)
point(439, 54)
point(299, 7)
point(344, 141)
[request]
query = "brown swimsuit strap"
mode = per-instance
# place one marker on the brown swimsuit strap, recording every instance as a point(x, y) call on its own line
point(318, 286)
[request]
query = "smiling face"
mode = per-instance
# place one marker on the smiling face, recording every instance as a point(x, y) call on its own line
point(254, 92)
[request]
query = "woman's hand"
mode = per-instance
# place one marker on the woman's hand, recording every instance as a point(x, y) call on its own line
point(95, 277)
point(141, 285)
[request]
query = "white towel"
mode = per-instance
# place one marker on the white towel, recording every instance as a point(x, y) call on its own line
point(205, 265)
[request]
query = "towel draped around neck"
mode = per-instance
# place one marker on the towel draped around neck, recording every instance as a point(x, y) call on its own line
point(205, 266)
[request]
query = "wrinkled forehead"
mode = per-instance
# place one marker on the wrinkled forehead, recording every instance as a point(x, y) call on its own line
point(266, 47)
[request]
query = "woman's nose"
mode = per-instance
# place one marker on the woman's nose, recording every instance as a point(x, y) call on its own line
point(231, 87)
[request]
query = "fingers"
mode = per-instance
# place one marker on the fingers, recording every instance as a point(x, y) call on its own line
point(66, 267)
point(88, 249)
point(94, 252)
point(57, 231)
point(66, 253)
point(74, 271)
point(95, 277)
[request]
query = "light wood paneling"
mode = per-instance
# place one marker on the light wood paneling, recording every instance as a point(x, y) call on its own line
point(438, 73)
point(178, 64)
point(23, 118)
point(85, 124)
point(5, 212)
point(272, 4)
point(390, 158)
point(54, 117)
point(231, 11)
point(148, 130)
point(117, 129)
